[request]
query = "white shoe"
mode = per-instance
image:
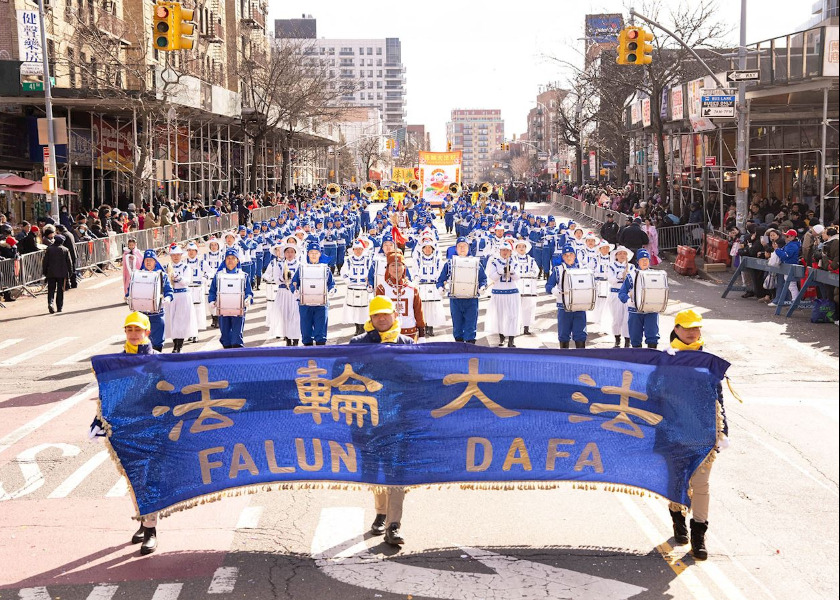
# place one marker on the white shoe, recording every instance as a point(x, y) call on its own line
point(773, 304)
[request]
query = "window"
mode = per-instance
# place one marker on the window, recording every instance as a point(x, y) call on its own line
point(370, 96)
point(361, 51)
point(361, 96)
point(379, 95)
point(72, 67)
point(379, 73)
point(379, 85)
point(370, 85)
point(332, 74)
point(378, 62)
point(370, 51)
point(331, 51)
point(379, 52)
point(370, 72)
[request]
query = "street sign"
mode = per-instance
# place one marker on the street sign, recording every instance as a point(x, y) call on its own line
point(718, 106)
point(47, 160)
point(35, 86)
point(735, 76)
point(711, 161)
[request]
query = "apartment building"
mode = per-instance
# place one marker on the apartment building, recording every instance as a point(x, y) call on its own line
point(478, 133)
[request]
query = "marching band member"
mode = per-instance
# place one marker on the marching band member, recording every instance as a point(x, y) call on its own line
point(549, 246)
point(285, 322)
point(601, 272)
point(231, 328)
point(232, 242)
point(180, 321)
point(464, 311)
point(313, 319)
point(131, 260)
point(376, 275)
point(197, 280)
point(577, 239)
point(210, 264)
point(355, 272)
point(330, 244)
point(429, 266)
point(156, 320)
point(620, 269)
point(503, 313)
point(247, 246)
point(639, 323)
point(527, 269)
point(570, 324)
point(271, 277)
point(588, 254)
point(399, 288)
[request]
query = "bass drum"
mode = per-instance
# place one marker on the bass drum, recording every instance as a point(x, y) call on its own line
point(313, 284)
point(357, 297)
point(230, 294)
point(428, 292)
point(145, 293)
point(528, 287)
point(464, 277)
point(270, 291)
point(650, 291)
point(578, 290)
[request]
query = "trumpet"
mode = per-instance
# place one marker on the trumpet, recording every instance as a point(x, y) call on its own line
point(486, 189)
point(369, 189)
point(414, 186)
point(333, 190)
point(455, 189)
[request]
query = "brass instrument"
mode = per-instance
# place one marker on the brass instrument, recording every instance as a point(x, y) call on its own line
point(486, 189)
point(414, 186)
point(333, 190)
point(369, 189)
point(455, 189)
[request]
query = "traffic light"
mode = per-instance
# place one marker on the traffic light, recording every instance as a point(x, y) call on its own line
point(507, 147)
point(634, 47)
point(646, 57)
point(164, 27)
point(449, 146)
point(502, 146)
point(389, 144)
point(184, 27)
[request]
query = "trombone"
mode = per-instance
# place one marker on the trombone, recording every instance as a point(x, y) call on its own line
point(369, 189)
point(333, 190)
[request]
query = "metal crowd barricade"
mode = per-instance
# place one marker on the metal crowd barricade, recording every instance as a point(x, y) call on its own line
point(790, 272)
point(815, 277)
point(680, 235)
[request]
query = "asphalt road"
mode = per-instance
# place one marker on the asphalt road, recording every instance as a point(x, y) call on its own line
point(65, 512)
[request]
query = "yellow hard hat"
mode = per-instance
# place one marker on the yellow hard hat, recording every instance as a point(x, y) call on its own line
point(138, 319)
point(381, 304)
point(688, 319)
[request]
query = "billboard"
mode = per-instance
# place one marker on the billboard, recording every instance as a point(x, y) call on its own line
point(437, 171)
point(603, 29)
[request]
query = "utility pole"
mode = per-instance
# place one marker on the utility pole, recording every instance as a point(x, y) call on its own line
point(51, 165)
point(743, 180)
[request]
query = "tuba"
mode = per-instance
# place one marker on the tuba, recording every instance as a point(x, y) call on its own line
point(369, 189)
point(414, 186)
point(455, 189)
point(486, 189)
point(333, 190)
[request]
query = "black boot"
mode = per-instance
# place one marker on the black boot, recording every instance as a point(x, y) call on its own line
point(51, 308)
point(564, 344)
point(526, 331)
point(430, 331)
point(295, 342)
point(309, 344)
point(177, 345)
point(654, 346)
point(378, 526)
point(626, 342)
point(288, 341)
point(580, 344)
point(157, 348)
point(320, 343)
point(392, 535)
point(149, 541)
point(501, 340)
point(471, 342)
point(259, 281)
point(510, 342)
point(214, 322)
point(459, 339)
point(617, 342)
point(698, 540)
point(680, 528)
point(138, 535)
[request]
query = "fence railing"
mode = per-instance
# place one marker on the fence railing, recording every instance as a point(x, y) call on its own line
point(583, 209)
point(27, 270)
point(690, 234)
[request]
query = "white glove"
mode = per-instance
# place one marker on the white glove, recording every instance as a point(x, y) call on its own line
point(555, 291)
point(332, 292)
point(167, 299)
point(671, 350)
point(212, 308)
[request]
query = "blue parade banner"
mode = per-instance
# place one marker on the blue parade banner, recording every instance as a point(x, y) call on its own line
point(188, 427)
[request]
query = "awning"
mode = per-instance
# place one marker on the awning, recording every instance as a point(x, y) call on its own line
point(12, 180)
point(37, 188)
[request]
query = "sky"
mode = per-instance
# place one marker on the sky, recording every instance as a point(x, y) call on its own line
point(458, 55)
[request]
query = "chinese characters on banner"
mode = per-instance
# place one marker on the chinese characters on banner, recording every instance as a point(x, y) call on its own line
point(185, 430)
point(437, 171)
point(29, 43)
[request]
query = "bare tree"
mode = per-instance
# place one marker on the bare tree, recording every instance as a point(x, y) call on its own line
point(520, 165)
point(285, 91)
point(369, 155)
point(575, 114)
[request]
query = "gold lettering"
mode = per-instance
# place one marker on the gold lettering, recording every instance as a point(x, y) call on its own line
point(272, 459)
point(337, 454)
point(517, 455)
point(241, 461)
point(487, 455)
point(207, 465)
point(554, 453)
point(318, 459)
point(590, 457)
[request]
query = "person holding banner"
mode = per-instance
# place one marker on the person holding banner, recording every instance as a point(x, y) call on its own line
point(405, 294)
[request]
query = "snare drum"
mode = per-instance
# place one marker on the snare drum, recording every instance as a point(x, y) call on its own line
point(650, 291)
point(357, 297)
point(146, 291)
point(428, 292)
point(464, 277)
point(313, 284)
point(578, 289)
point(528, 287)
point(230, 294)
point(603, 287)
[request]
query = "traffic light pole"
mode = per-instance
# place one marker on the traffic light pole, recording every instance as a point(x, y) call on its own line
point(51, 164)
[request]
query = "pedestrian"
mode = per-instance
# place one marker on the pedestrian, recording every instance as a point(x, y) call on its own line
point(180, 321)
point(609, 230)
point(314, 312)
point(633, 238)
point(8, 251)
point(463, 302)
point(131, 261)
point(619, 270)
point(57, 267)
point(70, 244)
point(384, 328)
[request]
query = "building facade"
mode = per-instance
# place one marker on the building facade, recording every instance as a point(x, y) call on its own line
point(478, 133)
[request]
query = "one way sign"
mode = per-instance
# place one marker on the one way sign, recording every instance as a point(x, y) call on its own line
point(735, 76)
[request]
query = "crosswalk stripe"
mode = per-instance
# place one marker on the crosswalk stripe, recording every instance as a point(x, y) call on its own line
point(119, 490)
point(36, 593)
point(224, 580)
point(88, 352)
point(10, 342)
point(103, 592)
point(249, 518)
point(24, 356)
point(72, 482)
point(168, 591)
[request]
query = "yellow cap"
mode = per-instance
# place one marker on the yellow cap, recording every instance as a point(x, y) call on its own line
point(381, 304)
point(688, 319)
point(138, 319)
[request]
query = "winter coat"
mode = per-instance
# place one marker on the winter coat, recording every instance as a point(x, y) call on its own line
point(831, 254)
point(789, 253)
point(633, 237)
point(165, 218)
point(57, 263)
point(28, 243)
point(372, 337)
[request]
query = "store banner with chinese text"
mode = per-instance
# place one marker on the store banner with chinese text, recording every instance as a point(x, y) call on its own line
point(189, 427)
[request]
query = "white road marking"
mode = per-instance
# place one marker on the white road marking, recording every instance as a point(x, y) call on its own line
point(108, 281)
point(340, 552)
point(224, 580)
point(90, 351)
point(24, 356)
point(36, 593)
point(21, 432)
point(33, 478)
point(686, 577)
point(79, 475)
point(103, 592)
point(168, 591)
point(249, 518)
point(120, 489)
point(706, 283)
point(10, 342)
